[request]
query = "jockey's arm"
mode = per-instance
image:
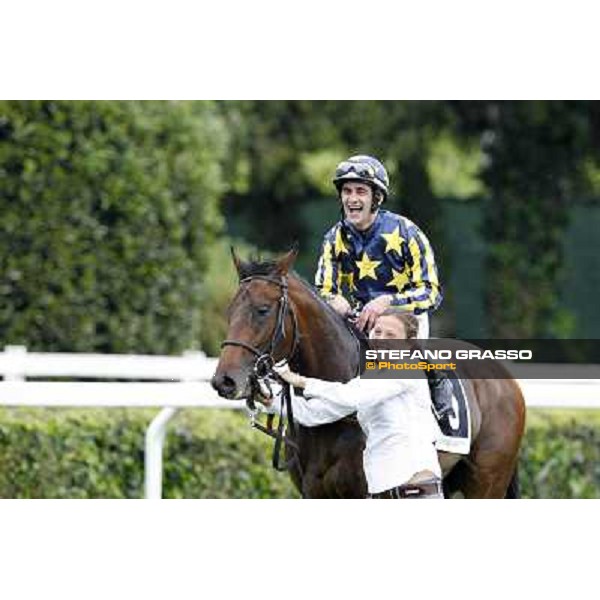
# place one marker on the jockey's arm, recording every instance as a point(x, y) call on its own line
point(326, 277)
point(327, 269)
point(424, 292)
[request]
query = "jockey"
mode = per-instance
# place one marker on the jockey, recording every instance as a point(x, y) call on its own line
point(400, 459)
point(373, 259)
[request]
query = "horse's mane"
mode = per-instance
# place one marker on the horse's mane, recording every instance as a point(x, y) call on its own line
point(323, 304)
point(338, 321)
point(256, 266)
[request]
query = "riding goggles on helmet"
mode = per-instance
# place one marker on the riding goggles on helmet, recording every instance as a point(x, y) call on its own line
point(361, 170)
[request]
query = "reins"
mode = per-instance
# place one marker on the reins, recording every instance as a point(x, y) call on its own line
point(263, 368)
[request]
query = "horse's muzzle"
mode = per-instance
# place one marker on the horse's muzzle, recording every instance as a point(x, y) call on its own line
point(224, 385)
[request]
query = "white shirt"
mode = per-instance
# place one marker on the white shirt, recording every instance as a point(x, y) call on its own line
point(395, 415)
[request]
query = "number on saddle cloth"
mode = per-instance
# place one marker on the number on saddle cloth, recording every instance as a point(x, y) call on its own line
point(455, 428)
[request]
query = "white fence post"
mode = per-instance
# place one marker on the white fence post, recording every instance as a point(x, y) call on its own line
point(155, 442)
point(16, 356)
point(153, 455)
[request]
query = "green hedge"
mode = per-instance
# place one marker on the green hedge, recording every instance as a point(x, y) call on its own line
point(561, 456)
point(74, 453)
point(108, 211)
point(59, 453)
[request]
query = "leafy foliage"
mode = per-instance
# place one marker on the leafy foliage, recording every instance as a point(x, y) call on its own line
point(288, 150)
point(530, 159)
point(561, 455)
point(535, 157)
point(110, 209)
point(108, 212)
point(58, 453)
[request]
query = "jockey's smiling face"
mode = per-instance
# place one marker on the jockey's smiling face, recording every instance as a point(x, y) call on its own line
point(357, 199)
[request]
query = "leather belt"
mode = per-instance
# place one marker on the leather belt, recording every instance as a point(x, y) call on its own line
point(421, 489)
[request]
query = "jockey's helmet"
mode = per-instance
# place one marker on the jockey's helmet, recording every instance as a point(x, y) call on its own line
point(363, 168)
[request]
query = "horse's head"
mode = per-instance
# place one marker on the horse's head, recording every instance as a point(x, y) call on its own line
point(262, 326)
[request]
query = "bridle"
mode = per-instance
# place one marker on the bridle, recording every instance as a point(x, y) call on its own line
point(263, 367)
point(264, 362)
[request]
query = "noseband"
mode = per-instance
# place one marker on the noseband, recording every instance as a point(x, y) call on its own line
point(264, 358)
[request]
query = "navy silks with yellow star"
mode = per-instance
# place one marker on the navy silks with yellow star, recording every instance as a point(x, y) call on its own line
point(392, 257)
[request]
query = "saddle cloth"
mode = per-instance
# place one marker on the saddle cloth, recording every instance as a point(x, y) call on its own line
point(455, 430)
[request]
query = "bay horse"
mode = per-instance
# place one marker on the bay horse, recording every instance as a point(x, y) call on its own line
point(276, 315)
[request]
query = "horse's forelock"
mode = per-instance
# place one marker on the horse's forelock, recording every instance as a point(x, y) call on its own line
point(257, 267)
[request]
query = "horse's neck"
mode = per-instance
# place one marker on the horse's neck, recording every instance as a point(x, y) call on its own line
point(327, 349)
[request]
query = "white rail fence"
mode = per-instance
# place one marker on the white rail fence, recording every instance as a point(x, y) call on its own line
point(178, 382)
point(183, 382)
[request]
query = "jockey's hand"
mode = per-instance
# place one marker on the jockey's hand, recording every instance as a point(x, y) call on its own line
point(340, 305)
point(295, 380)
point(372, 310)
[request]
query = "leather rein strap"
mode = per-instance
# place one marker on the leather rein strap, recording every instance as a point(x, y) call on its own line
point(263, 366)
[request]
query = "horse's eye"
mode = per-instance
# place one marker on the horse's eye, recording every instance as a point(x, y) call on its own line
point(263, 310)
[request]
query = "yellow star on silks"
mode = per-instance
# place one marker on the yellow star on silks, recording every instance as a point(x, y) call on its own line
point(393, 240)
point(367, 267)
point(340, 248)
point(399, 280)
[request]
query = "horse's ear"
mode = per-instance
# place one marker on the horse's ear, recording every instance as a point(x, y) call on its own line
point(239, 265)
point(286, 262)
